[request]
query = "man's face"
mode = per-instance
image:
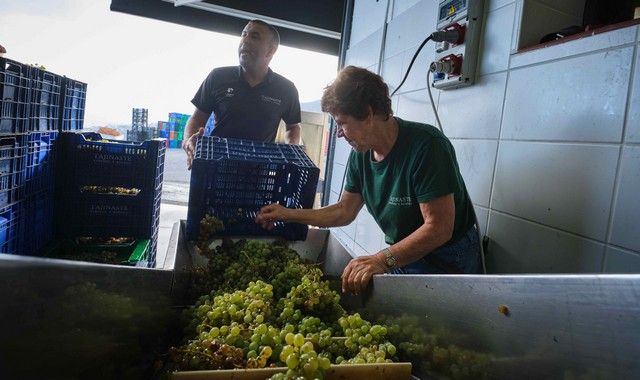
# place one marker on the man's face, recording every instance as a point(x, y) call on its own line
point(256, 48)
point(354, 131)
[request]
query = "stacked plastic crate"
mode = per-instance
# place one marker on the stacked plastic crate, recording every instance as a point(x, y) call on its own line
point(110, 189)
point(177, 124)
point(45, 116)
point(232, 179)
point(36, 105)
point(14, 122)
point(163, 131)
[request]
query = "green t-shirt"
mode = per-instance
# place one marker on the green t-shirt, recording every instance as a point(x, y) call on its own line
point(421, 166)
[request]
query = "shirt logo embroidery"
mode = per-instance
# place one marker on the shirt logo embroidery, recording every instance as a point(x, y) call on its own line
point(229, 92)
point(400, 201)
point(271, 100)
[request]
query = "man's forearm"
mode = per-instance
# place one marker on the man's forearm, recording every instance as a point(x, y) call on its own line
point(190, 128)
point(292, 134)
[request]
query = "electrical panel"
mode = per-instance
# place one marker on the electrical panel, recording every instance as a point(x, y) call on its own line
point(456, 62)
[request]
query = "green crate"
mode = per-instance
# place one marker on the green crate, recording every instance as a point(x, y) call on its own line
point(129, 253)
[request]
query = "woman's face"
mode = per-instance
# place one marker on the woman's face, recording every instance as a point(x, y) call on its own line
point(356, 132)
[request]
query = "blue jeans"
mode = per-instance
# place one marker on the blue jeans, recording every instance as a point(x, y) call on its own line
point(458, 257)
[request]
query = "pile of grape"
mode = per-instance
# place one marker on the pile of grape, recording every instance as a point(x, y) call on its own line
point(263, 307)
point(430, 350)
point(272, 310)
point(233, 265)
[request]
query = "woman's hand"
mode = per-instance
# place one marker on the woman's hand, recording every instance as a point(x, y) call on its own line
point(270, 214)
point(358, 272)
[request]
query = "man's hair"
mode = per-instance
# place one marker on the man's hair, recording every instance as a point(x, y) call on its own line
point(275, 36)
point(355, 90)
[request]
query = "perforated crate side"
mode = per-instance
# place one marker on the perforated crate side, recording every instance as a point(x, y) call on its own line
point(74, 94)
point(12, 166)
point(14, 100)
point(44, 100)
point(37, 222)
point(10, 238)
point(89, 160)
point(40, 162)
point(233, 179)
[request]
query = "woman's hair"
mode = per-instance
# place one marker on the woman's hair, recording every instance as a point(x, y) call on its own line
point(355, 90)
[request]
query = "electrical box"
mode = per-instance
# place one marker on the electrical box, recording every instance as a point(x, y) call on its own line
point(456, 62)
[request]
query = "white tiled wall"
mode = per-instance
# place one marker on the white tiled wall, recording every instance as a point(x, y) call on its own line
point(625, 230)
point(633, 120)
point(548, 141)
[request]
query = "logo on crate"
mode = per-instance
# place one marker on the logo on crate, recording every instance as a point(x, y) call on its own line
point(108, 210)
point(269, 99)
point(112, 158)
point(229, 92)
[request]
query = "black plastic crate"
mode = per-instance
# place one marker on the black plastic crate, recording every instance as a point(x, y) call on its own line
point(74, 95)
point(39, 162)
point(45, 100)
point(14, 104)
point(232, 179)
point(37, 222)
point(10, 218)
point(12, 164)
point(88, 168)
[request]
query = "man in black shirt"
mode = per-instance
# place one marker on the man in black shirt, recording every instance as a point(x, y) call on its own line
point(249, 100)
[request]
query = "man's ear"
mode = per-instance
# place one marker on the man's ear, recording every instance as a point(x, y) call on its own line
point(272, 51)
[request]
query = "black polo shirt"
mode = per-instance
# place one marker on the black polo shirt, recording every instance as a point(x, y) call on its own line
point(246, 112)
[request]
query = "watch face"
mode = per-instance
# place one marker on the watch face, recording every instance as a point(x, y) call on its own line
point(391, 262)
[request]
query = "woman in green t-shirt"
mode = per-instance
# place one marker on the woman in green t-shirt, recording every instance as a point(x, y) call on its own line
point(406, 174)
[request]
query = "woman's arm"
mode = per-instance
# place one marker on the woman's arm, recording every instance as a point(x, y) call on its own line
point(338, 214)
point(437, 229)
point(439, 216)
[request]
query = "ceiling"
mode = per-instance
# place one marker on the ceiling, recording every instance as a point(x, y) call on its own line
point(314, 25)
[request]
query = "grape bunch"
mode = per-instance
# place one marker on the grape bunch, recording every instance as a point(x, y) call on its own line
point(312, 297)
point(372, 354)
point(302, 361)
point(360, 332)
point(290, 277)
point(209, 226)
point(250, 306)
point(206, 354)
point(233, 265)
point(265, 340)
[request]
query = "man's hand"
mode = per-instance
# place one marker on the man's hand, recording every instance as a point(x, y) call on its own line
point(189, 146)
point(358, 272)
point(270, 214)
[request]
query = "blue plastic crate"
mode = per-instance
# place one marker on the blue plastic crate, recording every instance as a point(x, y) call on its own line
point(36, 230)
point(232, 179)
point(14, 103)
point(74, 95)
point(10, 217)
point(45, 100)
point(12, 163)
point(83, 160)
point(40, 161)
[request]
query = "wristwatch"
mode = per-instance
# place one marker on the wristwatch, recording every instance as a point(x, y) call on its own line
point(389, 258)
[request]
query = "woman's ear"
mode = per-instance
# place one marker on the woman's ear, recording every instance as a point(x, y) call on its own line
point(369, 114)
